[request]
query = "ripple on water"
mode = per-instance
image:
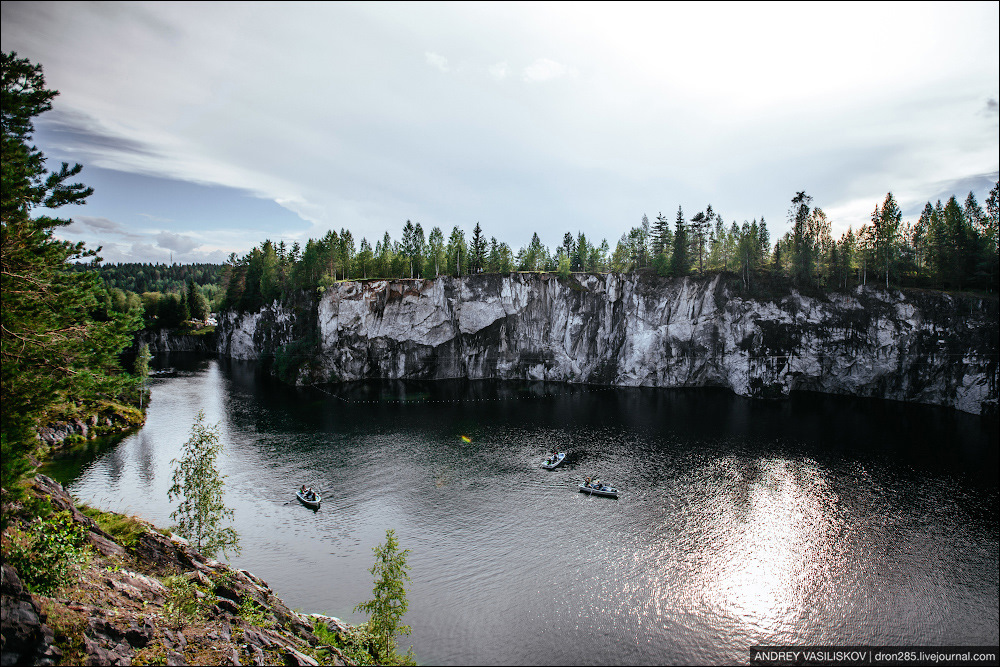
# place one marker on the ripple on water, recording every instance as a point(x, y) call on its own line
point(728, 531)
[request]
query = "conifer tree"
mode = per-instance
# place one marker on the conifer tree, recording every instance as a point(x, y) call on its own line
point(389, 604)
point(477, 252)
point(52, 348)
point(801, 243)
point(680, 259)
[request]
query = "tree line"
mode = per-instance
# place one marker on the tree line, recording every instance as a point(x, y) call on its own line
point(951, 246)
point(166, 295)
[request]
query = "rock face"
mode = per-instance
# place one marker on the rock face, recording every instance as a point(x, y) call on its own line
point(166, 340)
point(27, 640)
point(642, 330)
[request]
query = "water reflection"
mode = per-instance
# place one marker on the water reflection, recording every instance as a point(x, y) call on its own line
point(771, 546)
point(739, 522)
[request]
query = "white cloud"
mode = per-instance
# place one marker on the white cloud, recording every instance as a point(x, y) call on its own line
point(500, 70)
point(437, 60)
point(328, 109)
point(176, 242)
point(544, 69)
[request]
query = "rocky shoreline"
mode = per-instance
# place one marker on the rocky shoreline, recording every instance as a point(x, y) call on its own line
point(120, 611)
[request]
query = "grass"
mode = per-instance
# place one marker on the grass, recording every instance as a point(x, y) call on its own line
point(125, 529)
point(253, 613)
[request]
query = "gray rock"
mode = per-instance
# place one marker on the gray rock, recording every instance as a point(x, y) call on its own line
point(642, 330)
point(25, 636)
point(293, 658)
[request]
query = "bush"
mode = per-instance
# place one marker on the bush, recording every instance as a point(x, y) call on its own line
point(45, 553)
point(253, 612)
point(186, 602)
point(357, 644)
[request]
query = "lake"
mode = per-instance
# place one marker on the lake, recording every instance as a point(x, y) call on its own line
point(815, 520)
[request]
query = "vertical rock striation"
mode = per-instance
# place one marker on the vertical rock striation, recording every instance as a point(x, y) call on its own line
point(642, 330)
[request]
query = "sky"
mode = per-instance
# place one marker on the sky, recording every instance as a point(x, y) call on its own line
point(206, 128)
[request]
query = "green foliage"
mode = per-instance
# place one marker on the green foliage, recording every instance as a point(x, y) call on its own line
point(564, 266)
point(45, 553)
point(197, 481)
point(186, 602)
point(254, 613)
point(141, 371)
point(125, 529)
point(356, 643)
point(54, 345)
point(288, 359)
point(385, 611)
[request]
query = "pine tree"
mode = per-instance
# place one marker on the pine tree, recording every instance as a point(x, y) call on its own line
point(419, 248)
point(992, 235)
point(680, 259)
point(802, 258)
point(661, 233)
point(885, 224)
point(477, 253)
point(53, 349)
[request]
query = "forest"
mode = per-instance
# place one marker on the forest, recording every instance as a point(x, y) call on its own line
point(167, 295)
point(951, 246)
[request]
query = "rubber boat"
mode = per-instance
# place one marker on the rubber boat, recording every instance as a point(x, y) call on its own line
point(554, 461)
point(310, 500)
point(598, 489)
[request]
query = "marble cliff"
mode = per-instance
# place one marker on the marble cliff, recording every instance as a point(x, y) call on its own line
point(638, 330)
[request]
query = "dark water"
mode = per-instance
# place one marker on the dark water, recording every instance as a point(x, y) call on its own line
point(817, 520)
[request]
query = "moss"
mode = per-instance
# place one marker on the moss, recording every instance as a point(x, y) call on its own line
point(68, 627)
point(154, 653)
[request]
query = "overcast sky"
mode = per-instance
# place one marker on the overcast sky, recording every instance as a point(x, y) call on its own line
point(206, 128)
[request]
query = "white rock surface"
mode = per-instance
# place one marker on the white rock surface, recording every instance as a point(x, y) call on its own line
point(635, 330)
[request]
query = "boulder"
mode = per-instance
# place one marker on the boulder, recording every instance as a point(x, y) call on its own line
point(24, 636)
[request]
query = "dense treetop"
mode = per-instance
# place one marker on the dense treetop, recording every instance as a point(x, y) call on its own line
point(951, 246)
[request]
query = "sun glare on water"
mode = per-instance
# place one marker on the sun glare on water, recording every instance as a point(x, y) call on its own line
point(774, 556)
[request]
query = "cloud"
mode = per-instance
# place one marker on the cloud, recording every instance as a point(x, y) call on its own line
point(154, 218)
point(437, 60)
point(100, 224)
point(544, 69)
point(357, 131)
point(500, 70)
point(176, 242)
point(73, 131)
